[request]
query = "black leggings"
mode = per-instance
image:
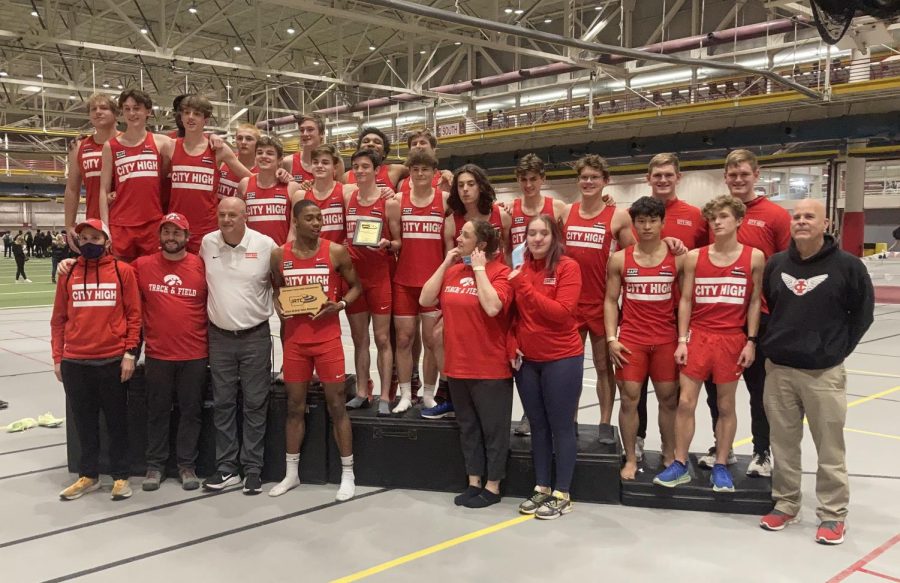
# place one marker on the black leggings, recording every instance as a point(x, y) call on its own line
point(20, 267)
point(91, 389)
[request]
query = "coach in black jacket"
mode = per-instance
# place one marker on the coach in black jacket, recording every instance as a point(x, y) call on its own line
point(821, 303)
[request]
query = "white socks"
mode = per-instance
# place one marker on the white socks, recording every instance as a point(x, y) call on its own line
point(291, 479)
point(428, 397)
point(348, 481)
point(405, 398)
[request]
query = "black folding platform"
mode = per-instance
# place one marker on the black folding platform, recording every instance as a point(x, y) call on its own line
point(751, 495)
point(597, 467)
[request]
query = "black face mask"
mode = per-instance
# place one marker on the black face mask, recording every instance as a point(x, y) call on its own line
point(92, 250)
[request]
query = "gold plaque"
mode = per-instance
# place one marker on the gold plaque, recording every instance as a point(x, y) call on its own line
point(302, 299)
point(368, 232)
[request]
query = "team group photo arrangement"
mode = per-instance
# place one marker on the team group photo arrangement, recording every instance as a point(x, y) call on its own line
point(375, 289)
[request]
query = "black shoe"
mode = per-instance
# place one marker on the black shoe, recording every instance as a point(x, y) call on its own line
point(252, 484)
point(221, 480)
point(3, 404)
point(483, 500)
point(468, 493)
point(607, 436)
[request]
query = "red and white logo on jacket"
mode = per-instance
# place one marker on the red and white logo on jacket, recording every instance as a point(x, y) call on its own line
point(801, 287)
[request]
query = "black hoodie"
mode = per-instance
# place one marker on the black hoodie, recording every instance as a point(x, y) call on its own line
point(820, 307)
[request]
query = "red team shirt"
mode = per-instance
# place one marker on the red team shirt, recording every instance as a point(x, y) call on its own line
point(685, 222)
point(174, 300)
point(423, 244)
point(590, 242)
point(545, 327)
point(269, 210)
point(373, 265)
point(766, 226)
point(722, 294)
point(482, 356)
point(195, 190)
point(333, 227)
point(300, 173)
point(382, 177)
point(406, 183)
point(90, 154)
point(520, 220)
point(649, 300)
point(136, 182)
point(495, 220)
point(303, 329)
point(229, 181)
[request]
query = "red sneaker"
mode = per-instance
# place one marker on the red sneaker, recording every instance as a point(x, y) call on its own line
point(777, 520)
point(831, 532)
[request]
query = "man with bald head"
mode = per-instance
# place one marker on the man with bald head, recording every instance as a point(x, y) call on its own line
point(821, 303)
point(239, 306)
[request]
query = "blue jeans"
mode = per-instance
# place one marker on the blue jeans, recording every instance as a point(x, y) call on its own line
point(550, 392)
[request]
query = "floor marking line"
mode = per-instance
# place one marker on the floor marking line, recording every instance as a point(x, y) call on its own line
point(20, 474)
point(874, 554)
point(44, 362)
point(873, 374)
point(877, 574)
point(860, 401)
point(873, 433)
point(871, 476)
point(433, 549)
point(32, 448)
point(210, 537)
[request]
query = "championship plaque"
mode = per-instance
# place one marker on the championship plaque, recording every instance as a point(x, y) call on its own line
point(368, 232)
point(302, 299)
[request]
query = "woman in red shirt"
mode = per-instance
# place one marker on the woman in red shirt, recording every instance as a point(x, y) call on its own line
point(549, 361)
point(475, 297)
point(95, 328)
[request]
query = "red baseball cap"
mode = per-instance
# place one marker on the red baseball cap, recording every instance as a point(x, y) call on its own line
point(176, 219)
point(94, 223)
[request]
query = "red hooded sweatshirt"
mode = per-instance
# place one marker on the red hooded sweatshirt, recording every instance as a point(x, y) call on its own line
point(97, 312)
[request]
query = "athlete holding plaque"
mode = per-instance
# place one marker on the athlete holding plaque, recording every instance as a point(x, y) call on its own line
point(314, 341)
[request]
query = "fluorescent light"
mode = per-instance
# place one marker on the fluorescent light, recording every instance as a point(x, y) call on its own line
point(422, 52)
point(3, 74)
point(34, 13)
point(598, 8)
point(457, 43)
point(508, 10)
point(72, 97)
point(106, 85)
point(518, 11)
point(371, 47)
point(237, 49)
point(548, 20)
point(315, 62)
point(144, 31)
point(291, 31)
point(40, 75)
point(192, 9)
point(119, 87)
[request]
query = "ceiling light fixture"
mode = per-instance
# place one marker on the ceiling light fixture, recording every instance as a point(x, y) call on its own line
point(119, 87)
point(237, 49)
point(40, 75)
point(598, 8)
point(106, 85)
point(35, 13)
point(508, 10)
point(371, 47)
point(192, 8)
point(548, 20)
point(457, 43)
point(518, 10)
point(291, 31)
point(144, 31)
point(3, 74)
point(315, 62)
point(422, 52)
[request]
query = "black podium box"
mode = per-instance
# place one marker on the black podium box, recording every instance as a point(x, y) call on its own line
point(313, 454)
point(137, 435)
point(751, 495)
point(402, 452)
point(597, 466)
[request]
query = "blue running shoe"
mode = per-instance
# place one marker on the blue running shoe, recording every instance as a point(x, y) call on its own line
point(676, 473)
point(439, 411)
point(721, 479)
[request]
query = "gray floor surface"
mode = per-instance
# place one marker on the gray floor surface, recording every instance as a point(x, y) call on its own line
point(305, 536)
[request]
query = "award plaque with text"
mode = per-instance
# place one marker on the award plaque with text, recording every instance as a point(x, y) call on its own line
point(368, 232)
point(302, 299)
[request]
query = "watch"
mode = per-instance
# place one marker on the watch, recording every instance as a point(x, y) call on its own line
point(753, 339)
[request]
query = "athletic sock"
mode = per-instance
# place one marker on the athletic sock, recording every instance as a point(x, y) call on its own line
point(405, 398)
point(356, 402)
point(428, 397)
point(348, 481)
point(291, 479)
point(384, 408)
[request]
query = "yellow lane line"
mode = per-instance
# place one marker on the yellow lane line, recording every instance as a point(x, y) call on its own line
point(432, 549)
point(860, 401)
point(873, 433)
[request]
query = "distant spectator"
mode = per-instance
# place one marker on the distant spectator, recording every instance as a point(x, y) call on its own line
point(19, 255)
point(59, 251)
point(7, 245)
point(29, 243)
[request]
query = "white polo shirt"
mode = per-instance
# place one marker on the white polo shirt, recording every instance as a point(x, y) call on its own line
point(240, 289)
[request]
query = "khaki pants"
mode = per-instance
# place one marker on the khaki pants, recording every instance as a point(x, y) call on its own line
point(821, 396)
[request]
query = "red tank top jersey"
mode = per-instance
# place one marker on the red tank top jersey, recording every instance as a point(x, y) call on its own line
point(382, 177)
point(137, 181)
point(300, 173)
point(90, 154)
point(520, 219)
point(423, 242)
point(303, 329)
point(649, 300)
point(269, 210)
point(722, 294)
point(229, 181)
point(174, 306)
point(406, 184)
point(195, 188)
point(766, 226)
point(371, 264)
point(496, 221)
point(333, 226)
point(590, 242)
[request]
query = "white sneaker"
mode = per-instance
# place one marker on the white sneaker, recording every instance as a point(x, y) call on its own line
point(760, 466)
point(28, 280)
point(709, 460)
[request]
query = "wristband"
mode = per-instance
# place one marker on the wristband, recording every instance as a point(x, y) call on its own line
point(611, 339)
point(753, 339)
point(343, 305)
point(682, 339)
point(478, 268)
point(128, 356)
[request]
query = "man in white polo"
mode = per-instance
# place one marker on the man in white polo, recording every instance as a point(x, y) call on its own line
point(239, 306)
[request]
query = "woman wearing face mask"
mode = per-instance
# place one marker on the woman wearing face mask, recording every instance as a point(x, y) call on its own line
point(549, 359)
point(95, 329)
point(475, 296)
